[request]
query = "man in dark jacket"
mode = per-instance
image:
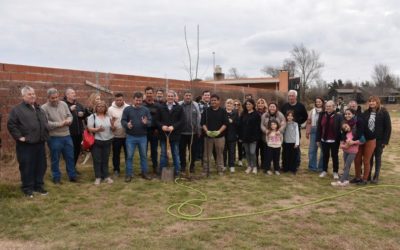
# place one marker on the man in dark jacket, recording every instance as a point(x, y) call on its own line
point(76, 127)
point(27, 123)
point(300, 116)
point(191, 130)
point(170, 123)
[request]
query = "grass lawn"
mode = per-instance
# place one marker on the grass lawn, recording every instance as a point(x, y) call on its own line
point(133, 216)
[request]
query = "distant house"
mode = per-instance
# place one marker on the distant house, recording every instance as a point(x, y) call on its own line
point(392, 96)
point(356, 93)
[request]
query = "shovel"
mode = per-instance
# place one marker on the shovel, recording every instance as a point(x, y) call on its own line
point(167, 173)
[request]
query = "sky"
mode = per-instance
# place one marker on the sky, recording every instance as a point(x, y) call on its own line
point(147, 37)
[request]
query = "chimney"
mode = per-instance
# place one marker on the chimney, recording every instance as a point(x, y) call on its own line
point(218, 75)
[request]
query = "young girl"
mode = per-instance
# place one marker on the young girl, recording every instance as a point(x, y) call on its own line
point(291, 141)
point(274, 143)
point(350, 149)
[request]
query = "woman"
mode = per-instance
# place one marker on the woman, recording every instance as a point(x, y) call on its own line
point(272, 114)
point(328, 136)
point(93, 99)
point(261, 108)
point(311, 132)
point(377, 131)
point(231, 135)
point(237, 106)
point(102, 126)
point(249, 133)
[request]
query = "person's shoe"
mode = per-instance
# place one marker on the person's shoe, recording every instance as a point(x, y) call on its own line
point(248, 170)
point(77, 172)
point(255, 170)
point(146, 177)
point(362, 183)
point(240, 163)
point(41, 191)
point(355, 181)
point(28, 194)
point(116, 173)
point(322, 174)
point(232, 169)
point(374, 181)
point(277, 173)
point(335, 176)
point(223, 169)
point(73, 179)
point(345, 183)
point(128, 178)
point(97, 181)
point(336, 183)
point(108, 180)
point(269, 172)
point(57, 181)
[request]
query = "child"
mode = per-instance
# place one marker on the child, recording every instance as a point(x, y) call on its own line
point(291, 140)
point(350, 149)
point(274, 143)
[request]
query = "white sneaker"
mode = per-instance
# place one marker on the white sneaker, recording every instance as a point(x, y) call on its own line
point(108, 180)
point(277, 173)
point(248, 170)
point(335, 176)
point(223, 169)
point(232, 169)
point(255, 170)
point(240, 163)
point(269, 172)
point(336, 183)
point(97, 181)
point(345, 183)
point(323, 174)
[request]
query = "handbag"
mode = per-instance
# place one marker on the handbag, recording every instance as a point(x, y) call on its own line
point(88, 137)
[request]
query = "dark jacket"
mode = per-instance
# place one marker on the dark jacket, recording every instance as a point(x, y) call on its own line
point(383, 126)
point(249, 127)
point(214, 119)
point(191, 124)
point(26, 121)
point(135, 115)
point(154, 110)
point(231, 134)
point(323, 130)
point(76, 128)
point(174, 118)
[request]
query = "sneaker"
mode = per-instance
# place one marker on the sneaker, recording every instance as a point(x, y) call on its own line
point(355, 181)
point(335, 176)
point(223, 169)
point(109, 180)
point(255, 170)
point(232, 169)
point(277, 173)
point(336, 183)
point(57, 181)
point(345, 183)
point(97, 181)
point(269, 172)
point(28, 194)
point(240, 163)
point(146, 177)
point(73, 179)
point(248, 170)
point(41, 191)
point(128, 178)
point(116, 173)
point(362, 183)
point(322, 174)
point(374, 181)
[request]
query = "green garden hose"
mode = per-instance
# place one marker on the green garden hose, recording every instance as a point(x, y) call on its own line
point(176, 209)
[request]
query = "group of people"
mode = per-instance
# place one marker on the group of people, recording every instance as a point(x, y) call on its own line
point(205, 131)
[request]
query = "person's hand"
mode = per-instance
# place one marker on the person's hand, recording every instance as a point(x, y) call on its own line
point(113, 120)
point(216, 133)
point(278, 132)
point(209, 134)
point(308, 136)
point(165, 128)
point(230, 120)
point(144, 120)
point(66, 123)
point(72, 107)
point(23, 139)
point(130, 125)
point(296, 146)
point(171, 128)
point(80, 114)
point(100, 129)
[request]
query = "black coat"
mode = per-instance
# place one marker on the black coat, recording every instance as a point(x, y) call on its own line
point(383, 126)
point(231, 133)
point(336, 126)
point(174, 118)
point(250, 127)
point(76, 127)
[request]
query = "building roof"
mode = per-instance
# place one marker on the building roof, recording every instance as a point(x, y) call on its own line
point(348, 91)
point(259, 80)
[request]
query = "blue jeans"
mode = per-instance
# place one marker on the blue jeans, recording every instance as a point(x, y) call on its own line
point(61, 145)
point(313, 152)
point(175, 155)
point(131, 143)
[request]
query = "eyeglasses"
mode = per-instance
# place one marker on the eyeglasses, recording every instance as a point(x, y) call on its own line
point(236, 104)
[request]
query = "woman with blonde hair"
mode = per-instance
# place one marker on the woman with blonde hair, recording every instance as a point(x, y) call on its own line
point(237, 105)
point(102, 125)
point(231, 135)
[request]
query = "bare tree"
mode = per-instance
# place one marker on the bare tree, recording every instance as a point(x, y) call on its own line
point(273, 71)
point(308, 66)
point(233, 73)
point(189, 54)
point(383, 79)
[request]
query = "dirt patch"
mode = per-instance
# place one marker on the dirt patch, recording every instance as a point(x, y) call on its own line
point(16, 245)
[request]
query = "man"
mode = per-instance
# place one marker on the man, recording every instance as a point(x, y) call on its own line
point(203, 105)
point(115, 111)
point(214, 122)
point(354, 106)
point(191, 130)
point(248, 97)
point(136, 119)
point(76, 127)
point(152, 131)
point(300, 116)
point(27, 124)
point(170, 123)
point(60, 142)
point(160, 96)
point(340, 106)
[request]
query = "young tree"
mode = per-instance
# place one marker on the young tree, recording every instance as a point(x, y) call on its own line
point(308, 66)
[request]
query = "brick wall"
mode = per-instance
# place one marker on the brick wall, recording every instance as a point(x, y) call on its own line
point(14, 77)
